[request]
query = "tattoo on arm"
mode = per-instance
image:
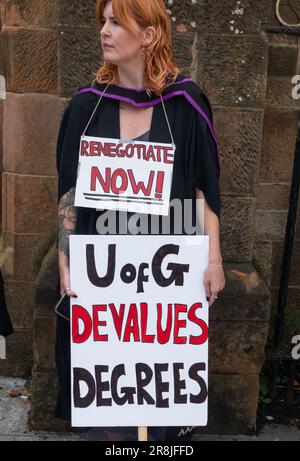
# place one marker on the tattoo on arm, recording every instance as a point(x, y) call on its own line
point(67, 219)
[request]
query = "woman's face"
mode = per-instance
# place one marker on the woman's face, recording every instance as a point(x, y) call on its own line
point(118, 44)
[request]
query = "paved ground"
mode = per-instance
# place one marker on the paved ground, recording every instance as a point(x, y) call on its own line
point(15, 405)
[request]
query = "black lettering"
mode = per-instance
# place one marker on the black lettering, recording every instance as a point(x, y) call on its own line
point(143, 382)
point(193, 374)
point(177, 269)
point(128, 278)
point(161, 386)
point(102, 386)
point(80, 374)
point(179, 384)
point(93, 276)
point(142, 277)
point(127, 392)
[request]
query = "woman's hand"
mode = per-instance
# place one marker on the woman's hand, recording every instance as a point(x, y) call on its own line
point(65, 282)
point(214, 281)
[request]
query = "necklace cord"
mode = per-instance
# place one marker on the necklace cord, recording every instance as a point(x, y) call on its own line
point(100, 99)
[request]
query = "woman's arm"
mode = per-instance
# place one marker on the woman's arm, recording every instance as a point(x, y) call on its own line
point(67, 219)
point(214, 279)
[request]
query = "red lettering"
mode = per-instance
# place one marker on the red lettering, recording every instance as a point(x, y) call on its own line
point(136, 187)
point(84, 148)
point(193, 318)
point(135, 328)
point(159, 184)
point(98, 323)
point(144, 322)
point(163, 336)
point(168, 155)
point(94, 148)
point(111, 150)
point(158, 152)
point(117, 318)
point(179, 323)
point(127, 149)
point(150, 154)
point(97, 176)
point(132, 325)
point(119, 173)
point(79, 313)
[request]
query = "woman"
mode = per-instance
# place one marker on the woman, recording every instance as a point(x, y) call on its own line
point(143, 97)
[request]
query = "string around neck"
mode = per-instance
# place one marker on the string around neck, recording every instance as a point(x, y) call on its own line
point(100, 99)
point(97, 105)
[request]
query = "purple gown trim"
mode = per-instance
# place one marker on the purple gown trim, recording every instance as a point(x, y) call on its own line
point(140, 90)
point(157, 101)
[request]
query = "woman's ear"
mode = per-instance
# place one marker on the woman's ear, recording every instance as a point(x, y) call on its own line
point(149, 35)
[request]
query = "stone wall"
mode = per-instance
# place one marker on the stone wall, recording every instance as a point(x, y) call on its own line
point(31, 119)
point(50, 49)
point(275, 174)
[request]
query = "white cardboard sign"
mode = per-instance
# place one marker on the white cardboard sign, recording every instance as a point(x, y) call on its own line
point(139, 330)
point(116, 175)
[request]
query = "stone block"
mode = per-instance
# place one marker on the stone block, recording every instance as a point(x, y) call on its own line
point(282, 61)
point(82, 14)
point(18, 361)
point(278, 146)
point(187, 15)
point(30, 203)
point(233, 69)
point(237, 347)
point(44, 390)
point(80, 56)
point(270, 225)
point(183, 45)
point(46, 283)
point(27, 252)
point(277, 254)
point(221, 17)
point(282, 39)
point(41, 13)
point(232, 405)
point(238, 134)
point(236, 230)
point(262, 256)
point(30, 57)
point(20, 301)
point(245, 297)
point(43, 344)
point(37, 117)
point(243, 279)
point(229, 16)
point(279, 94)
point(272, 196)
point(241, 307)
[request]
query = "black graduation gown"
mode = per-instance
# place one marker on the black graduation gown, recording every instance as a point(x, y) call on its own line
point(196, 164)
point(6, 327)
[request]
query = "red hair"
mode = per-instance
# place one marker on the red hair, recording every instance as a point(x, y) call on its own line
point(136, 15)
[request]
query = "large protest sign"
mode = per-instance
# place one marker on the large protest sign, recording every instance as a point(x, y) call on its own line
point(139, 330)
point(130, 176)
